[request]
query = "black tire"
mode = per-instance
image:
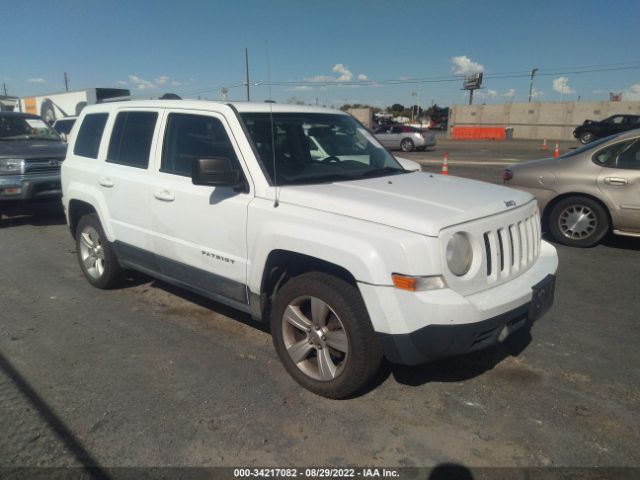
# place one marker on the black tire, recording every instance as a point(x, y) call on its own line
point(586, 137)
point(406, 145)
point(47, 112)
point(79, 107)
point(110, 272)
point(345, 304)
point(588, 232)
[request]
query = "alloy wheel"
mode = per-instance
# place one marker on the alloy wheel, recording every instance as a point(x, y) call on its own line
point(315, 338)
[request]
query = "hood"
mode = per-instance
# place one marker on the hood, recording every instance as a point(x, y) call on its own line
point(418, 202)
point(30, 149)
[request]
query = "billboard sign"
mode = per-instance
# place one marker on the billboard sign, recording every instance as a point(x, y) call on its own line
point(473, 81)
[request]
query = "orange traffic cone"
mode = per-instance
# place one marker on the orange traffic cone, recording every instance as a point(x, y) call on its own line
point(556, 152)
point(544, 145)
point(445, 165)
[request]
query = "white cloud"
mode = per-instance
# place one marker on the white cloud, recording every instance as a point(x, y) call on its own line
point(161, 80)
point(142, 84)
point(175, 83)
point(509, 93)
point(631, 93)
point(535, 93)
point(36, 80)
point(121, 82)
point(561, 85)
point(463, 65)
point(345, 73)
point(492, 93)
point(302, 88)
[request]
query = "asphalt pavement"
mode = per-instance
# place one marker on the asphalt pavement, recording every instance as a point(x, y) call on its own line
point(148, 375)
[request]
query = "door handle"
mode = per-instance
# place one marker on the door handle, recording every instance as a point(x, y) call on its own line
point(165, 196)
point(615, 181)
point(106, 182)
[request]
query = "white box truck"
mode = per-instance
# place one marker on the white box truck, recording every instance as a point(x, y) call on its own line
point(55, 106)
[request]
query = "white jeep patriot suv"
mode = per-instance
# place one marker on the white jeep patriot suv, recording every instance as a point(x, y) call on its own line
point(300, 217)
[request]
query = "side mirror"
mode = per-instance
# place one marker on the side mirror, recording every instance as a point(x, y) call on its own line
point(214, 172)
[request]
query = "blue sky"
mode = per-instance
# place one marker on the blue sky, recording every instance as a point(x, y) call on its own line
point(332, 51)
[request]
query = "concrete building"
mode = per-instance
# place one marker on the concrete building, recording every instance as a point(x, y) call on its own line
point(539, 120)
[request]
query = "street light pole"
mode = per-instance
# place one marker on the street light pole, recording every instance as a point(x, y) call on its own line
point(533, 74)
point(246, 61)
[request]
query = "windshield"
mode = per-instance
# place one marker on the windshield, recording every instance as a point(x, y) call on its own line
point(588, 146)
point(18, 127)
point(317, 147)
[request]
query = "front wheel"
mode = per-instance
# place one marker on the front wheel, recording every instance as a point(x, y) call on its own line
point(406, 145)
point(578, 222)
point(323, 335)
point(96, 257)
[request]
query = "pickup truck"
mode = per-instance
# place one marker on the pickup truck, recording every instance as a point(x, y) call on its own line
point(31, 153)
point(350, 257)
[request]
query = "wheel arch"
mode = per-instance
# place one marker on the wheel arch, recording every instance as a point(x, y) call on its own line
point(283, 265)
point(78, 209)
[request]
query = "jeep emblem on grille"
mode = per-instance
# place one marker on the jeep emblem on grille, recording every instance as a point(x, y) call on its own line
point(509, 203)
point(54, 163)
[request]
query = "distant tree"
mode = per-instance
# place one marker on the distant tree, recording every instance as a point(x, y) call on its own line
point(397, 108)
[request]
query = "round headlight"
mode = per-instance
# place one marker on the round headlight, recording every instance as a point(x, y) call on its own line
point(459, 254)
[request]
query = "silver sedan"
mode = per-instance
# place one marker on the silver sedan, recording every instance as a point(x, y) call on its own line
point(405, 138)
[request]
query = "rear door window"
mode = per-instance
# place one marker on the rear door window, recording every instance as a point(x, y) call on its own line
point(131, 138)
point(607, 155)
point(88, 139)
point(629, 158)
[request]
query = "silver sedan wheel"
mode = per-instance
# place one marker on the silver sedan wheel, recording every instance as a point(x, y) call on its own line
point(315, 338)
point(577, 222)
point(91, 252)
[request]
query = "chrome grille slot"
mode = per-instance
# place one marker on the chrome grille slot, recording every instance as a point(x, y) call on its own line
point(487, 250)
point(512, 248)
point(45, 165)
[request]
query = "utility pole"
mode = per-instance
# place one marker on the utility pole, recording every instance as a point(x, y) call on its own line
point(4, 87)
point(471, 96)
point(246, 62)
point(533, 74)
point(66, 82)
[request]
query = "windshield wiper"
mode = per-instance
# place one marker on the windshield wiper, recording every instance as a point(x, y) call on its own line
point(381, 172)
point(318, 179)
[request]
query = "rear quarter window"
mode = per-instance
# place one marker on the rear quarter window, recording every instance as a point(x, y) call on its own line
point(89, 136)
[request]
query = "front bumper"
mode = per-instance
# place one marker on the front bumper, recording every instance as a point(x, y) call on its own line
point(415, 327)
point(438, 341)
point(30, 187)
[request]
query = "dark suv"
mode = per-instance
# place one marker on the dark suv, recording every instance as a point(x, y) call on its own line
point(30, 156)
point(591, 130)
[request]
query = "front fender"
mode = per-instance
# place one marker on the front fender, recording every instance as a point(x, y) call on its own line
point(370, 252)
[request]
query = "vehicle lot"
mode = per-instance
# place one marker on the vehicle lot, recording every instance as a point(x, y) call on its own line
point(149, 375)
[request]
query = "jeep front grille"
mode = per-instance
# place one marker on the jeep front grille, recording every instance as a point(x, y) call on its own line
point(512, 248)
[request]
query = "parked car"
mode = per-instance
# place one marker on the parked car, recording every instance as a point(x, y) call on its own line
point(31, 153)
point(587, 192)
point(350, 257)
point(591, 130)
point(63, 126)
point(405, 138)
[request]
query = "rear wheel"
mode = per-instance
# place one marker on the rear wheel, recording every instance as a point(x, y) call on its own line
point(406, 145)
point(96, 257)
point(578, 222)
point(586, 137)
point(323, 335)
